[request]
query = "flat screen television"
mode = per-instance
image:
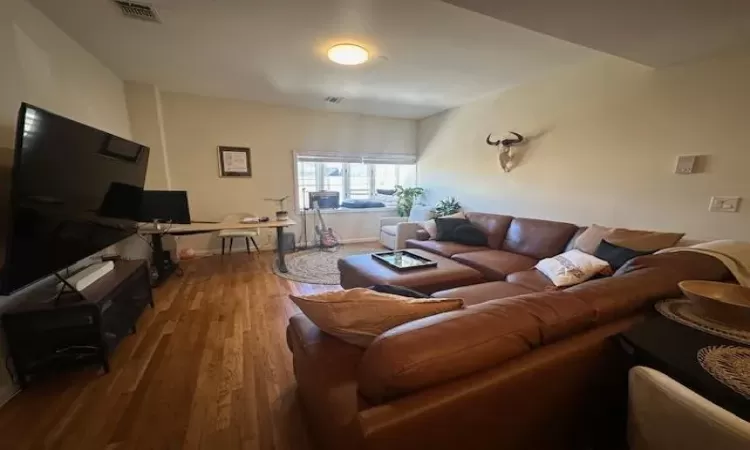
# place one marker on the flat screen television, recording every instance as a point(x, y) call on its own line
point(73, 190)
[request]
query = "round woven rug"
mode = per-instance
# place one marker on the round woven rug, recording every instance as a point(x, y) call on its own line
point(730, 365)
point(680, 310)
point(320, 267)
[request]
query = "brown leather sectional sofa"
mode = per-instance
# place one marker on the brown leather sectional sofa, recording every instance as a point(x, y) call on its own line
point(521, 367)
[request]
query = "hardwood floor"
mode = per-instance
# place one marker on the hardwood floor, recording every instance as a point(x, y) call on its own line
point(207, 369)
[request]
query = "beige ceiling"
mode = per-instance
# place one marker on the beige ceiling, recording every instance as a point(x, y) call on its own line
point(429, 55)
point(656, 33)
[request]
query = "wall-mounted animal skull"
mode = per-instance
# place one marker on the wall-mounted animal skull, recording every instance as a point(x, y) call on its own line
point(506, 154)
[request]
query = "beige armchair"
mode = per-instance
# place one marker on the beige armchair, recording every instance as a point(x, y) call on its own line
point(664, 414)
point(395, 231)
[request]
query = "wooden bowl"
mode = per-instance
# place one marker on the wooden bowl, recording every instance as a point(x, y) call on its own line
point(723, 302)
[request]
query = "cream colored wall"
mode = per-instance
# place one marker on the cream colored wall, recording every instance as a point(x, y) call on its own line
point(144, 110)
point(603, 142)
point(41, 65)
point(194, 126)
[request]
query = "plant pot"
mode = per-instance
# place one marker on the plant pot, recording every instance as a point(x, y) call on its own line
point(282, 215)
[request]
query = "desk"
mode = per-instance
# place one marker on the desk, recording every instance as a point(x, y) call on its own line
point(164, 268)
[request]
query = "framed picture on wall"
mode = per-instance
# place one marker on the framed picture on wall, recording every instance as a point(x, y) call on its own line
point(235, 162)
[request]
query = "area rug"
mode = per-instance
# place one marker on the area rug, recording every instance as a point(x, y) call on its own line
point(320, 267)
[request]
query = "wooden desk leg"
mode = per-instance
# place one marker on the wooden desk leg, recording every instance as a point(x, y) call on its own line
point(280, 249)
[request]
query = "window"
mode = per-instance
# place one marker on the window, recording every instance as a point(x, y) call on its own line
point(353, 176)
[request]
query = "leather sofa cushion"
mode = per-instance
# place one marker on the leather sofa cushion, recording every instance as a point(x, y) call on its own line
point(690, 265)
point(531, 279)
point(422, 234)
point(538, 238)
point(495, 226)
point(480, 293)
point(644, 280)
point(429, 351)
point(443, 248)
point(495, 264)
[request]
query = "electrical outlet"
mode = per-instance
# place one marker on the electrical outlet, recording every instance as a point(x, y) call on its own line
point(724, 204)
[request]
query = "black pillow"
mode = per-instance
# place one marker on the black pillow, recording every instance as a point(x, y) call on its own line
point(397, 290)
point(615, 255)
point(468, 234)
point(446, 227)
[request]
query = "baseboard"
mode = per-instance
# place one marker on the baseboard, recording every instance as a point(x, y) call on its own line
point(217, 251)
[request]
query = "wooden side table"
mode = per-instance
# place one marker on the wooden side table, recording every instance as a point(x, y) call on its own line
point(672, 348)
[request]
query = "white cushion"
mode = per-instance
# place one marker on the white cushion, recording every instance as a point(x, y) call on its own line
point(571, 267)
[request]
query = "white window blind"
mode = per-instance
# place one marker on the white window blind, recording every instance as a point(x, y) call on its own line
point(354, 176)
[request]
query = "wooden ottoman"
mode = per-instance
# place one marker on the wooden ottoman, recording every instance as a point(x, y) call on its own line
point(365, 271)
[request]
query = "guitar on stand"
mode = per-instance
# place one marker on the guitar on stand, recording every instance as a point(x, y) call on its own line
point(328, 239)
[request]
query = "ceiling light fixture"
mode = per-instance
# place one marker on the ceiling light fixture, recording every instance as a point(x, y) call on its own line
point(348, 54)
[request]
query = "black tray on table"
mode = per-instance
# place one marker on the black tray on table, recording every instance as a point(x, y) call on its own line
point(402, 260)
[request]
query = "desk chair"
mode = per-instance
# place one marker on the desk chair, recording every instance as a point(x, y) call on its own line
point(249, 235)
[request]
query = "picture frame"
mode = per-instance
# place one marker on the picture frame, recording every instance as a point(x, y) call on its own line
point(234, 162)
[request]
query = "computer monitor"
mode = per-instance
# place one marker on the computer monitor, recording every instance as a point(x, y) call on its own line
point(165, 206)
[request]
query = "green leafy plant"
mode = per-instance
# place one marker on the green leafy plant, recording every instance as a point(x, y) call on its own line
point(447, 206)
point(406, 198)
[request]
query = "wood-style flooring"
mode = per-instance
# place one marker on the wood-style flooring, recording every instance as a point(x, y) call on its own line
point(208, 369)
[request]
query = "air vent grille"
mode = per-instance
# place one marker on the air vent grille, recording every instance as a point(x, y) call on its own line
point(141, 11)
point(334, 100)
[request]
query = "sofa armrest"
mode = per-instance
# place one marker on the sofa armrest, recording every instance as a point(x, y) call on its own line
point(385, 221)
point(405, 231)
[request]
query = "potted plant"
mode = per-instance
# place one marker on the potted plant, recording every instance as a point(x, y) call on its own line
point(406, 198)
point(447, 206)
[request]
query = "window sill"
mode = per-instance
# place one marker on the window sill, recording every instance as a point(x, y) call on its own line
point(352, 210)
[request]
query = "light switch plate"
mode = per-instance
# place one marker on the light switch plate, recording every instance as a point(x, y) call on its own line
point(724, 204)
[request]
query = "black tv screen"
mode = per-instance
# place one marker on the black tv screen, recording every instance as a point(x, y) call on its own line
point(74, 190)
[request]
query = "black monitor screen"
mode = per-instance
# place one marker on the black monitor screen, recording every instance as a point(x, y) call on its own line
point(74, 190)
point(165, 206)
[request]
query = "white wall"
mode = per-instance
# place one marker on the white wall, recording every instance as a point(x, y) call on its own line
point(603, 142)
point(194, 126)
point(41, 65)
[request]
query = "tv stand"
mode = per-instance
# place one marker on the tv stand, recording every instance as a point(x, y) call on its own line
point(49, 333)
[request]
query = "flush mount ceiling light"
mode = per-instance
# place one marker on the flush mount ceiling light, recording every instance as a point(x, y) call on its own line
point(348, 54)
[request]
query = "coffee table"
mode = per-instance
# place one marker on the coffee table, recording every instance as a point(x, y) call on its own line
point(364, 271)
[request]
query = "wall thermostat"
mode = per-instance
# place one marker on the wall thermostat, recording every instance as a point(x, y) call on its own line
point(685, 164)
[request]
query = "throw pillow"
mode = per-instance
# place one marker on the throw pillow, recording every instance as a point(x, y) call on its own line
point(359, 315)
point(398, 290)
point(468, 234)
point(615, 255)
point(430, 226)
point(571, 267)
point(644, 241)
point(640, 240)
point(591, 237)
point(446, 228)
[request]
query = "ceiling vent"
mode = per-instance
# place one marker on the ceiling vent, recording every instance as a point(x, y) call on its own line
point(334, 100)
point(140, 11)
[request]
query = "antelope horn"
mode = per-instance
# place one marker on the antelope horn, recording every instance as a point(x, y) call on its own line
point(489, 142)
point(509, 142)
